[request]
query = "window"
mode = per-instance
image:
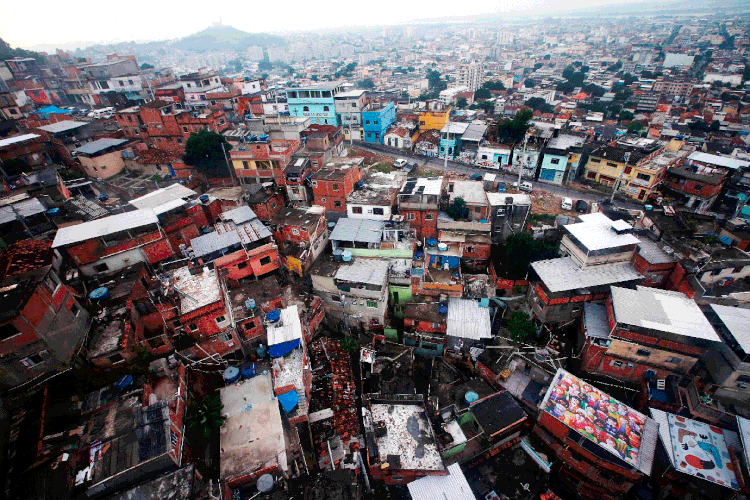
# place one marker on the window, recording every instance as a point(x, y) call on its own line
point(372, 303)
point(644, 177)
point(7, 331)
point(122, 84)
point(356, 210)
point(555, 161)
point(674, 360)
point(594, 160)
point(179, 141)
point(738, 269)
point(193, 327)
point(116, 358)
point(716, 272)
point(591, 175)
point(616, 364)
point(470, 249)
point(176, 323)
point(130, 82)
point(628, 170)
point(35, 359)
point(74, 309)
point(326, 108)
point(184, 129)
point(245, 165)
point(305, 108)
point(264, 261)
point(367, 122)
point(354, 104)
point(377, 211)
point(242, 265)
point(335, 187)
point(410, 216)
point(322, 200)
point(643, 352)
point(698, 187)
point(337, 204)
point(220, 319)
point(428, 216)
point(100, 268)
point(610, 164)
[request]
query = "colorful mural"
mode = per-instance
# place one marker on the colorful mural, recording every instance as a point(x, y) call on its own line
point(701, 450)
point(600, 418)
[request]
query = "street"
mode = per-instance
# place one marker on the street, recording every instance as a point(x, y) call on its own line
point(438, 163)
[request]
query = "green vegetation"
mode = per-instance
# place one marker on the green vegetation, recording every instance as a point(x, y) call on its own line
point(435, 83)
point(521, 327)
point(626, 115)
point(461, 102)
point(537, 103)
point(367, 83)
point(529, 83)
point(7, 52)
point(207, 415)
point(458, 209)
point(146, 66)
point(513, 131)
point(522, 249)
point(349, 344)
point(203, 150)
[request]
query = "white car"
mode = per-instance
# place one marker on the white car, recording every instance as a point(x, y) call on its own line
point(400, 163)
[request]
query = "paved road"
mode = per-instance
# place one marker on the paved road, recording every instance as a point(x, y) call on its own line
point(437, 163)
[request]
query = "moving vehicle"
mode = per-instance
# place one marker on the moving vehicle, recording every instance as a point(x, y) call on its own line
point(582, 207)
point(566, 204)
point(400, 163)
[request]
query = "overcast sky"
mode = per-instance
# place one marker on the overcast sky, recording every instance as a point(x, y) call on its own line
point(84, 22)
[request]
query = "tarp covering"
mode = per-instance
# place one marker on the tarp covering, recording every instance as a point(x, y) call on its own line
point(282, 349)
point(289, 401)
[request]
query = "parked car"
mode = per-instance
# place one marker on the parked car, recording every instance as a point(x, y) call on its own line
point(582, 207)
point(566, 204)
point(502, 187)
point(400, 163)
point(476, 177)
point(525, 186)
point(411, 167)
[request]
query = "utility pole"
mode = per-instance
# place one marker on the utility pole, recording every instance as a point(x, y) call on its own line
point(520, 163)
point(226, 160)
point(614, 189)
point(447, 138)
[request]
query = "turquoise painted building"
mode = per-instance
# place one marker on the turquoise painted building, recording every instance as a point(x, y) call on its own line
point(377, 120)
point(315, 102)
point(450, 138)
point(554, 165)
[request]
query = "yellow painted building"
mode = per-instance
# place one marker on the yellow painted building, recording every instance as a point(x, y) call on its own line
point(434, 120)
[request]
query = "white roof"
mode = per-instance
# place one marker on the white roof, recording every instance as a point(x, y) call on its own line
point(597, 232)
point(467, 320)
point(563, 274)
point(455, 127)
point(431, 185)
point(369, 271)
point(350, 93)
point(454, 486)
point(661, 310)
point(104, 226)
point(24, 208)
point(744, 427)
point(17, 138)
point(62, 126)
point(719, 161)
point(470, 191)
point(497, 199)
point(737, 321)
point(164, 199)
point(239, 215)
point(287, 328)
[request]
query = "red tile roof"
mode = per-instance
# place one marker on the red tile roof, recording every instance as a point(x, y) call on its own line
point(23, 256)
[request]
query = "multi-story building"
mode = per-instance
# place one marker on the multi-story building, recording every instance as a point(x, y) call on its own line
point(508, 214)
point(435, 118)
point(376, 120)
point(673, 87)
point(316, 102)
point(599, 447)
point(470, 76)
point(473, 195)
point(301, 234)
point(331, 186)
point(349, 106)
point(196, 85)
point(262, 160)
point(103, 158)
point(701, 177)
point(418, 202)
point(450, 138)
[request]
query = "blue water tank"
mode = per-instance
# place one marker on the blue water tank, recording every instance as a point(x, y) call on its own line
point(443, 310)
point(726, 240)
point(204, 198)
point(124, 382)
point(418, 255)
point(471, 396)
point(261, 351)
point(248, 370)
point(359, 185)
point(346, 256)
point(53, 211)
point(250, 304)
point(100, 293)
point(273, 316)
point(338, 254)
point(331, 225)
point(103, 197)
point(231, 375)
point(483, 221)
point(432, 242)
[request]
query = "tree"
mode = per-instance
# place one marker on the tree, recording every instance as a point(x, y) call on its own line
point(521, 327)
point(715, 126)
point(482, 93)
point(349, 344)
point(635, 127)
point(461, 102)
point(538, 65)
point(547, 57)
point(521, 249)
point(529, 83)
point(207, 416)
point(629, 79)
point(265, 65)
point(146, 66)
point(458, 209)
point(514, 130)
point(367, 83)
point(626, 115)
point(203, 150)
point(436, 83)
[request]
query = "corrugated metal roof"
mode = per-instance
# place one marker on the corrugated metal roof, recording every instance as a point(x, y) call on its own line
point(467, 320)
point(253, 231)
point(652, 253)
point(16, 139)
point(474, 132)
point(56, 128)
point(104, 226)
point(100, 145)
point(721, 161)
point(563, 274)
point(164, 199)
point(288, 327)
point(25, 208)
point(663, 311)
point(359, 230)
point(596, 232)
point(454, 486)
point(239, 215)
point(213, 242)
point(369, 271)
point(737, 321)
point(595, 320)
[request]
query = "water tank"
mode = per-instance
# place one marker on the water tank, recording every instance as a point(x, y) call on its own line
point(124, 382)
point(359, 185)
point(418, 255)
point(231, 374)
point(442, 247)
point(483, 221)
point(103, 197)
point(443, 310)
point(338, 254)
point(53, 211)
point(250, 304)
point(100, 293)
point(331, 225)
point(726, 240)
point(204, 198)
point(432, 242)
point(273, 316)
point(248, 371)
point(265, 483)
point(261, 351)
point(471, 396)
point(346, 256)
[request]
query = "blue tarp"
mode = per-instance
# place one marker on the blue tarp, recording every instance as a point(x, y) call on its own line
point(278, 350)
point(289, 401)
point(51, 110)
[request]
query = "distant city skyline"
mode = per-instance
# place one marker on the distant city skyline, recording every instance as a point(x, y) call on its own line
point(148, 21)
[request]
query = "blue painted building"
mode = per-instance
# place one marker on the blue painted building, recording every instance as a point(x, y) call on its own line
point(554, 165)
point(450, 138)
point(376, 120)
point(315, 102)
